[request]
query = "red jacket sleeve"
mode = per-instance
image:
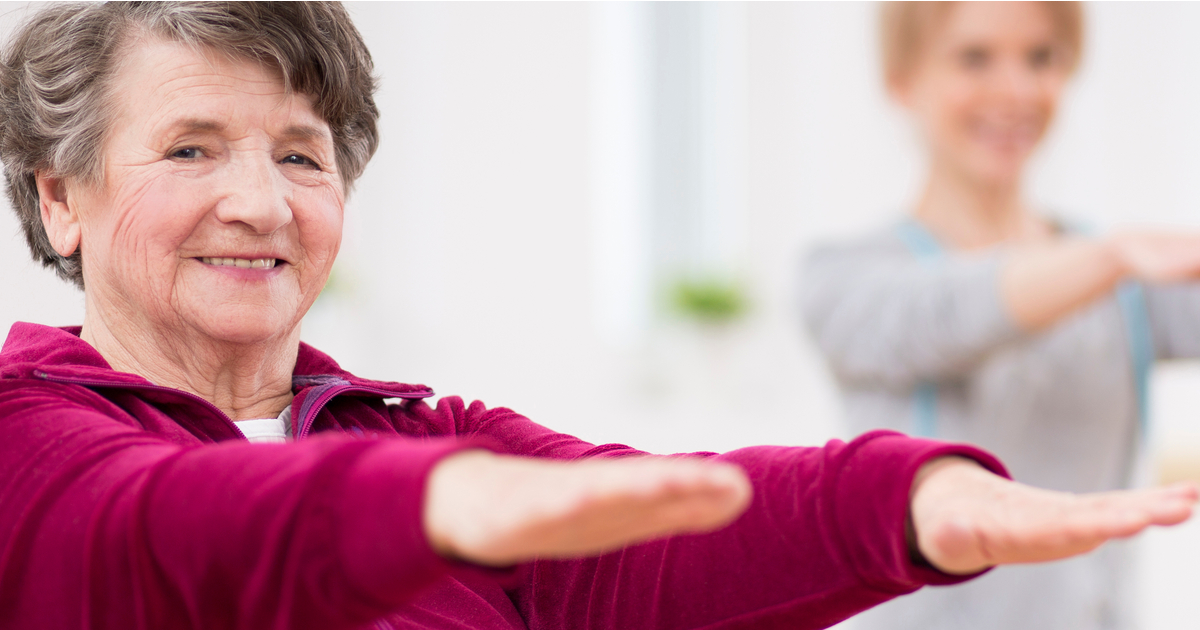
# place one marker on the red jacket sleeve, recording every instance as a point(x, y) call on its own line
point(822, 540)
point(104, 525)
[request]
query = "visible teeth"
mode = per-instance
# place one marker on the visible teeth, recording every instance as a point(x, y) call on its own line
point(244, 263)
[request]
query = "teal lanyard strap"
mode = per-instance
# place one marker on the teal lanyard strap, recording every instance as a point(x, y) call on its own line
point(925, 246)
point(919, 240)
point(1132, 299)
point(925, 410)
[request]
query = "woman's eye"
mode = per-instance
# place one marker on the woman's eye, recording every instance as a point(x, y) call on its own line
point(299, 160)
point(189, 153)
point(1041, 57)
point(974, 58)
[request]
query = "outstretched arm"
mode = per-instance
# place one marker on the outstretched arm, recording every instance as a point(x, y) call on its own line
point(822, 539)
point(497, 510)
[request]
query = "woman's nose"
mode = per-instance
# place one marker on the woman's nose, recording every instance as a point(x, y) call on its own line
point(1018, 82)
point(256, 196)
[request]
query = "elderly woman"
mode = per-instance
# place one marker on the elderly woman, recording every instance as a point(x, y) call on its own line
point(186, 165)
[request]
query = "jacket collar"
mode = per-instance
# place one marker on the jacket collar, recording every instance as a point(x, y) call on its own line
point(37, 351)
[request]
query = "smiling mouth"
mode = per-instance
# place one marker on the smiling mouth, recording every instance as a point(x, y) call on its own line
point(244, 263)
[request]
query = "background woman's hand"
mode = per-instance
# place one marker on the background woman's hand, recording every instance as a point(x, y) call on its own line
point(967, 519)
point(1158, 256)
point(499, 510)
point(1044, 282)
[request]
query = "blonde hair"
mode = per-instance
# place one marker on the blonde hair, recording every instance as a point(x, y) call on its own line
point(906, 26)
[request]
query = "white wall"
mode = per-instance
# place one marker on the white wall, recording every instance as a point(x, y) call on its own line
point(475, 214)
point(469, 242)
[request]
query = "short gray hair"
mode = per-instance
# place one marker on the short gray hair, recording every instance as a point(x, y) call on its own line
point(56, 70)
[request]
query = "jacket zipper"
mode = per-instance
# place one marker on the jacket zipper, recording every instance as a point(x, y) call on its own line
point(324, 397)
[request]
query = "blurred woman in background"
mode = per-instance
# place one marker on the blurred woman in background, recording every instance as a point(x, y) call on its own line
point(980, 318)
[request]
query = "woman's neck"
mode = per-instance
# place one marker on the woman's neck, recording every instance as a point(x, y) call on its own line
point(245, 381)
point(968, 214)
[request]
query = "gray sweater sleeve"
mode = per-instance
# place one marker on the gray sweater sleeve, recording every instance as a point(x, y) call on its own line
point(882, 316)
point(1174, 311)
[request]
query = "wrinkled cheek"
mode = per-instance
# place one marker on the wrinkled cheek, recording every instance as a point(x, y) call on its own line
point(321, 269)
point(334, 222)
point(322, 237)
point(108, 255)
point(148, 221)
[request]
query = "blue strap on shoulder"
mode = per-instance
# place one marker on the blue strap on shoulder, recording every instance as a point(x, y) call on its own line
point(924, 245)
point(1132, 299)
point(925, 410)
point(919, 240)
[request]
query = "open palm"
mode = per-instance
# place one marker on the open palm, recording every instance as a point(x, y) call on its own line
point(967, 519)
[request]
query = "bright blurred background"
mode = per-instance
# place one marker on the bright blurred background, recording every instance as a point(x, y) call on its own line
point(595, 213)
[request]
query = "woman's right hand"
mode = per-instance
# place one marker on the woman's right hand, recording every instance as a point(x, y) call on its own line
point(500, 510)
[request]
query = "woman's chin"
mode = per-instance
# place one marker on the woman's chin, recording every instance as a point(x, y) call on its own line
point(239, 314)
point(244, 325)
point(999, 164)
point(997, 171)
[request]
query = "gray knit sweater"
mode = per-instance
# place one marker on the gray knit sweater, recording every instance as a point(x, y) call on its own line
point(1060, 408)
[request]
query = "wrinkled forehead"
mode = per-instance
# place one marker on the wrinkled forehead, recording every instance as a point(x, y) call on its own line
point(168, 83)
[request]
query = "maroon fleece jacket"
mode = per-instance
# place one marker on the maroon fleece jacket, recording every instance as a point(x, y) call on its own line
point(125, 505)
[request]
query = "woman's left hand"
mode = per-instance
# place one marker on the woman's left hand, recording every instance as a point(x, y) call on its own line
point(968, 519)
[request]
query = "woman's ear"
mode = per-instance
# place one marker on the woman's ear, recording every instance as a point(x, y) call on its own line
point(59, 217)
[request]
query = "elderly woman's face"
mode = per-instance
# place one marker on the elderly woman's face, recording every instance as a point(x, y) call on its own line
point(221, 208)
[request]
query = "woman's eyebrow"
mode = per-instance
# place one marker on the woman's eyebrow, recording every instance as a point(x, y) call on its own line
point(306, 132)
point(193, 125)
point(292, 132)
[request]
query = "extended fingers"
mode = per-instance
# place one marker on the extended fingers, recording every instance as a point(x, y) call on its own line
point(498, 510)
point(603, 505)
point(1160, 256)
point(1120, 514)
point(665, 496)
point(967, 520)
point(1069, 525)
